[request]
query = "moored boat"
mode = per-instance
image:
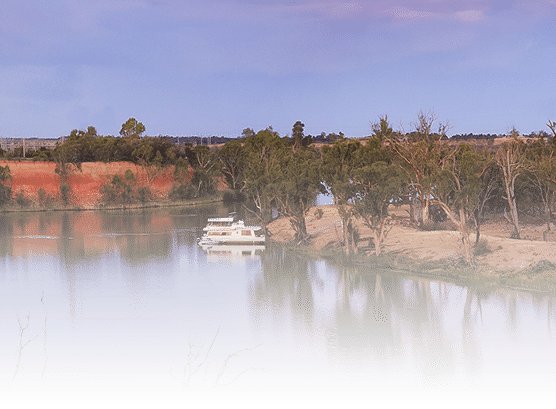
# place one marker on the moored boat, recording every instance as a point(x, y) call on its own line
point(226, 231)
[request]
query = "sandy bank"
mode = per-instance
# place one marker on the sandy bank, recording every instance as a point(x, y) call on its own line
point(497, 256)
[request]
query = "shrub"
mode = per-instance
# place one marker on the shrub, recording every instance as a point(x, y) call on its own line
point(481, 248)
point(44, 198)
point(5, 194)
point(182, 192)
point(21, 199)
point(65, 193)
point(319, 213)
point(119, 190)
point(144, 194)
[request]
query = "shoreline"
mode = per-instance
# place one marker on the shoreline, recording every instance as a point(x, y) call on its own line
point(525, 264)
point(217, 198)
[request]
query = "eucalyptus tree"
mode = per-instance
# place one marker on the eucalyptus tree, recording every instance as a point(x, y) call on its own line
point(132, 129)
point(378, 183)
point(541, 170)
point(206, 169)
point(458, 190)
point(339, 162)
point(232, 161)
point(421, 155)
point(510, 159)
point(299, 140)
point(262, 172)
point(298, 186)
point(5, 189)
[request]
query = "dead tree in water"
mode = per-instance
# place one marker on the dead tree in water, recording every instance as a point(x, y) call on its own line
point(21, 344)
point(44, 328)
point(190, 368)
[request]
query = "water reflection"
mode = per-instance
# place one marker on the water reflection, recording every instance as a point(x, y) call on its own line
point(364, 341)
point(284, 287)
point(354, 322)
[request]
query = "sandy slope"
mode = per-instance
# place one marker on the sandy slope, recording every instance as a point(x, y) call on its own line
point(502, 253)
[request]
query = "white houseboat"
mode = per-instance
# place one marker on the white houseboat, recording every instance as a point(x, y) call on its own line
point(226, 231)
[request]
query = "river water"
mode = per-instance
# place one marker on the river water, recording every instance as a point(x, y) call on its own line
point(122, 309)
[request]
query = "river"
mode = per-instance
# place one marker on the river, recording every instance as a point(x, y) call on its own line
point(122, 309)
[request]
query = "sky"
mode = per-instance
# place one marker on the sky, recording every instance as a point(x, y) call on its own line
point(206, 67)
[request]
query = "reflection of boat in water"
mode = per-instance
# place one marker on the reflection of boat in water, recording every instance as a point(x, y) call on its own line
point(226, 231)
point(234, 252)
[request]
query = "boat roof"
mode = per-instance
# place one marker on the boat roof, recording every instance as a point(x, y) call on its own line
point(220, 219)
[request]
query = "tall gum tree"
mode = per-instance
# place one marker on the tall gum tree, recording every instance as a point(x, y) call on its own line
point(421, 155)
point(510, 159)
point(458, 188)
point(298, 186)
point(262, 172)
point(541, 170)
point(339, 162)
point(379, 182)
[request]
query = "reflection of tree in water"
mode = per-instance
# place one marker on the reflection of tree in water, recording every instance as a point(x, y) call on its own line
point(137, 242)
point(472, 317)
point(364, 331)
point(70, 254)
point(70, 250)
point(6, 236)
point(434, 352)
point(44, 223)
point(510, 310)
point(285, 283)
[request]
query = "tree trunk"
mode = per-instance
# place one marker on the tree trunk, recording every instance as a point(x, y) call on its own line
point(426, 211)
point(346, 236)
point(465, 236)
point(547, 215)
point(353, 241)
point(477, 221)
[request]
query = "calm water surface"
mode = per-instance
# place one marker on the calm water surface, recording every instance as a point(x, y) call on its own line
point(122, 309)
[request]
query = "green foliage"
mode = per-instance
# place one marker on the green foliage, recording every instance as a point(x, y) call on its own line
point(5, 194)
point(232, 161)
point(144, 194)
point(121, 190)
point(319, 213)
point(5, 190)
point(182, 191)
point(132, 129)
point(262, 171)
point(22, 200)
point(65, 193)
point(43, 197)
point(5, 174)
point(298, 186)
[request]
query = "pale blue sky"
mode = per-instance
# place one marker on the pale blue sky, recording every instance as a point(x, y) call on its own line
point(192, 67)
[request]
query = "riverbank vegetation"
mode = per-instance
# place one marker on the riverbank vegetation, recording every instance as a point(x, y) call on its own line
point(441, 180)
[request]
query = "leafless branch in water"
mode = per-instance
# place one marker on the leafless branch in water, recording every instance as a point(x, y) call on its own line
point(44, 346)
point(225, 365)
point(21, 344)
point(190, 367)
